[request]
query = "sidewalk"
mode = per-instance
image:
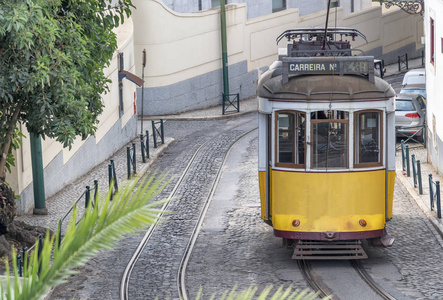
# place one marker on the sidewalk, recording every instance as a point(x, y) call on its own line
point(423, 201)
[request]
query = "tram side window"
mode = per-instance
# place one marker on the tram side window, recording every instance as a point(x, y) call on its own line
point(368, 137)
point(329, 140)
point(290, 139)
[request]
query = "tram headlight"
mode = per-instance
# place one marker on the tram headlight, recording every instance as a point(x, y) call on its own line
point(295, 223)
point(362, 223)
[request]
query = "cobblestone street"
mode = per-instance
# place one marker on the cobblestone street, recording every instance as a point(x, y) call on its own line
point(235, 248)
point(95, 281)
point(417, 251)
point(238, 248)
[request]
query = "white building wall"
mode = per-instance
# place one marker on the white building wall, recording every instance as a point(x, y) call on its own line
point(308, 7)
point(434, 78)
point(257, 8)
point(184, 49)
point(182, 6)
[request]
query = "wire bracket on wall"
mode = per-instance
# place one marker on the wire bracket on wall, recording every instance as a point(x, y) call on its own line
point(413, 7)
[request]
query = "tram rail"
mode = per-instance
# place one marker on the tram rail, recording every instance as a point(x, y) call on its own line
point(182, 270)
point(313, 281)
point(324, 292)
point(370, 281)
point(181, 285)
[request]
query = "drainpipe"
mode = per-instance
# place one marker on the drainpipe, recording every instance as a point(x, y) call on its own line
point(37, 175)
point(143, 89)
point(224, 49)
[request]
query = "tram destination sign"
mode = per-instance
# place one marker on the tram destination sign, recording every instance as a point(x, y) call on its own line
point(362, 65)
point(328, 67)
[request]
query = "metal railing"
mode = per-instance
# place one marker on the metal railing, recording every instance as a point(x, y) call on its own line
point(435, 196)
point(158, 130)
point(131, 160)
point(434, 187)
point(227, 103)
point(405, 158)
point(403, 62)
point(416, 174)
point(416, 166)
point(418, 136)
point(112, 176)
point(86, 195)
point(24, 256)
point(144, 146)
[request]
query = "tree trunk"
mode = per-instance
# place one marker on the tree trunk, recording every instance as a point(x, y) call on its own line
point(4, 155)
point(7, 206)
point(7, 196)
point(5, 147)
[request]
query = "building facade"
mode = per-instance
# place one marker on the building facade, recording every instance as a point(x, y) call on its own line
point(433, 19)
point(258, 8)
point(184, 69)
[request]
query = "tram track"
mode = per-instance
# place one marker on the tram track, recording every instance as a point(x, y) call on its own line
point(370, 281)
point(316, 283)
point(125, 281)
point(182, 270)
point(313, 281)
point(124, 286)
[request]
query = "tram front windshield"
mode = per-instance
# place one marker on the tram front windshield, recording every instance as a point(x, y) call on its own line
point(329, 139)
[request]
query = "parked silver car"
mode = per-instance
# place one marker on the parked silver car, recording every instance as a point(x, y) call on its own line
point(410, 113)
point(414, 89)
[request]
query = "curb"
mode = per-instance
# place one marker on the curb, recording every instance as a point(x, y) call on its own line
point(429, 215)
point(184, 118)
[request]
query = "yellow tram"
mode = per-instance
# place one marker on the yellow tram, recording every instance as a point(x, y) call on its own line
point(326, 144)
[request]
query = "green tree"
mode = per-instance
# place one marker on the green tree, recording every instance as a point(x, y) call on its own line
point(52, 56)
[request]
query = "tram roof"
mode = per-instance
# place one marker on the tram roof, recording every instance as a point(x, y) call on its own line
point(273, 84)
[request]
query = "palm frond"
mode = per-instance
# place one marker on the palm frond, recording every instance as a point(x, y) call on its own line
point(100, 229)
point(281, 294)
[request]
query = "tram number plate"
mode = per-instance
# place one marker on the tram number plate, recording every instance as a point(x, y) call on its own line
point(356, 67)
